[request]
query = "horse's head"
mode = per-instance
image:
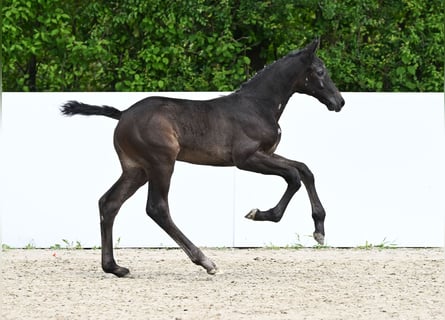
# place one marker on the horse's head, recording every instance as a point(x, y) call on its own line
point(316, 81)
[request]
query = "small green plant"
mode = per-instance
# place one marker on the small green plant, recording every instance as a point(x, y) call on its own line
point(71, 245)
point(56, 247)
point(68, 244)
point(30, 245)
point(78, 245)
point(366, 246)
point(272, 246)
point(5, 247)
point(385, 244)
point(297, 244)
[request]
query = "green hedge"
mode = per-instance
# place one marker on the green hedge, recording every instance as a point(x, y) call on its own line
point(204, 45)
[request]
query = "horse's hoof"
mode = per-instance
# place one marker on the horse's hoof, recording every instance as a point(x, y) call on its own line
point(212, 271)
point(118, 271)
point(319, 238)
point(251, 214)
point(122, 272)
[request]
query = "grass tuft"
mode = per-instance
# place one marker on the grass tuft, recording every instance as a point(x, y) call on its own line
point(385, 244)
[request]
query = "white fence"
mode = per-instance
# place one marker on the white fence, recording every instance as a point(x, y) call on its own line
point(379, 167)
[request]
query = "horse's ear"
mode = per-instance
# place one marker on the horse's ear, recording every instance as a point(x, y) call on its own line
point(312, 48)
point(314, 45)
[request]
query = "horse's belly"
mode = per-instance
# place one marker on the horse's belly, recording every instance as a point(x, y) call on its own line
point(209, 156)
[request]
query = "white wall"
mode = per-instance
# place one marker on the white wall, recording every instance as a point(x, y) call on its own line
point(379, 167)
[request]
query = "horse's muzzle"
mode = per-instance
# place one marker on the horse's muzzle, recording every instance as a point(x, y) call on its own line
point(336, 104)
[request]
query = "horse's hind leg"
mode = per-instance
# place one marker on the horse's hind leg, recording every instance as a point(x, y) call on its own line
point(109, 204)
point(158, 210)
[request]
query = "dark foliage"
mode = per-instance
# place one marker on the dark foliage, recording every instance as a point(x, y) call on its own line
point(203, 45)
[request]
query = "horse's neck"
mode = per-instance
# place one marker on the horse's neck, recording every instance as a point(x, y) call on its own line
point(269, 94)
point(272, 87)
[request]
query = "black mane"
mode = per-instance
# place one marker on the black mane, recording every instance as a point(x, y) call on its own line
point(268, 67)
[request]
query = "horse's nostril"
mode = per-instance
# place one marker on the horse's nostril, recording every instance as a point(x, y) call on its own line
point(342, 102)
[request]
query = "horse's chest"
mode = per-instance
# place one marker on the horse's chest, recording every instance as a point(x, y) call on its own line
point(274, 141)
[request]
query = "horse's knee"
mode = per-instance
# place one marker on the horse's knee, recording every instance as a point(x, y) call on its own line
point(293, 179)
point(306, 173)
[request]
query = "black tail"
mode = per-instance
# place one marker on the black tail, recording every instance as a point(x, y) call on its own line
point(73, 107)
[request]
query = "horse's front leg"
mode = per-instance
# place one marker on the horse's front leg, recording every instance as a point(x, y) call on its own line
point(292, 172)
point(261, 162)
point(318, 212)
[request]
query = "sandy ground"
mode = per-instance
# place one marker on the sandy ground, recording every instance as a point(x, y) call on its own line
point(253, 284)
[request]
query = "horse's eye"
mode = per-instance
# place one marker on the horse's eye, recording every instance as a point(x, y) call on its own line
point(320, 73)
